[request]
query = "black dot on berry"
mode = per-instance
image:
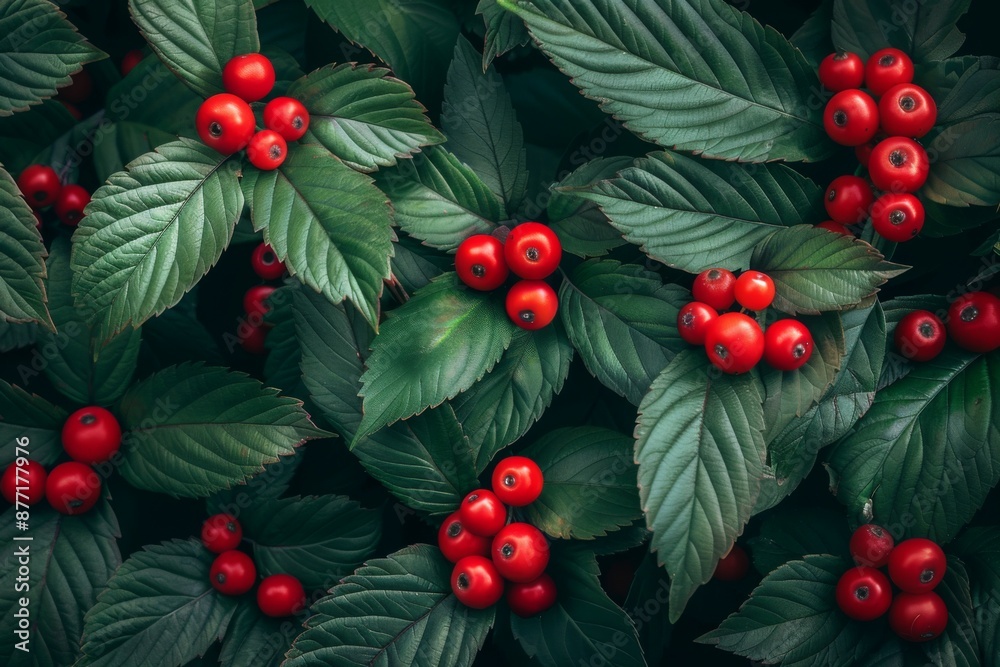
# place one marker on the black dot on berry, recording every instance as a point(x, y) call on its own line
point(507, 550)
point(527, 316)
point(831, 195)
point(532, 254)
point(687, 319)
point(220, 577)
point(714, 274)
point(88, 419)
point(927, 635)
point(968, 314)
point(274, 152)
point(840, 55)
point(886, 60)
point(509, 481)
point(927, 576)
point(876, 531)
point(897, 216)
point(231, 526)
point(478, 270)
point(907, 103)
point(74, 503)
point(897, 158)
point(297, 122)
point(454, 529)
point(798, 351)
point(215, 129)
point(721, 351)
point(463, 580)
point(861, 592)
point(268, 257)
point(473, 498)
point(840, 118)
point(926, 329)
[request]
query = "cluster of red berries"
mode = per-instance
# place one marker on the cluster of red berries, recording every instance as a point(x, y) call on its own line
point(973, 323)
point(90, 436)
point(266, 265)
point(41, 187)
point(234, 573)
point(883, 136)
point(735, 342)
point(532, 252)
point(488, 549)
point(226, 122)
point(916, 566)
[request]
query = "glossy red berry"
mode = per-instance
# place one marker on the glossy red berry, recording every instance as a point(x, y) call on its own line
point(848, 199)
point(733, 566)
point(249, 76)
point(871, 545)
point(693, 321)
point(918, 617)
point(267, 150)
point(533, 597)
point(907, 110)
point(734, 343)
point(482, 513)
point(715, 288)
point(221, 532)
point(887, 68)
point(265, 262)
point(520, 552)
point(897, 216)
point(863, 593)
point(232, 573)
point(286, 116)
point(476, 582)
point(898, 164)
point(79, 89)
point(480, 262)
point(920, 335)
point(974, 322)
point(787, 345)
point(456, 542)
point(91, 435)
point(754, 290)
point(225, 123)
point(70, 203)
point(531, 304)
point(517, 481)
point(841, 71)
point(280, 595)
point(917, 565)
point(23, 484)
point(532, 250)
point(72, 488)
point(253, 338)
point(833, 226)
point(40, 185)
point(130, 60)
point(255, 301)
point(851, 117)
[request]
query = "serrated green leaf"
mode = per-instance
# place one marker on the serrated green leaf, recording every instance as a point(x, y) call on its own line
point(363, 115)
point(193, 429)
point(151, 232)
point(444, 339)
point(966, 165)
point(977, 91)
point(745, 97)
point(317, 539)
point(929, 448)
point(623, 321)
point(580, 225)
point(22, 263)
point(328, 223)
point(159, 603)
point(694, 214)
point(255, 640)
point(414, 265)
point(791, 533)
point(393, 611)
point(439, 200)
point(700, 449)
point(39, 50)
point(16, 336)
point(590, 483)
point(924, 30)
point(815, 270)
point(957, 646)
point(504, 31)
point(24, 415)
point(196, 40)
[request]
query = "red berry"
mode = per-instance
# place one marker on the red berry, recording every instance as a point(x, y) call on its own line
point(255, 301)
point(533, 597)
point(841, 71)
point(715, 288)
point(863, 593)
point(254, 338)
point(280, 595)
point(483, 513)
point(225, 123)
point(918, 617)
point(476, 582)
point(72, 488)
point(837, 227)
point(532, 250)
point(907, 110)
point(265, 263)
point(851, 117)
point(130, 60)
point(733, 566)
point(267, 150)
point(40, 185)
point(848, 199)
point(520, 552)
point(693, 321)
point(221, 532)
point(754, 290)
point(920, 335)
point(456, 542)
point(734, 343)
point(286, 116)
point(232, 573)
point(91, 435)
point(28, 479)
point(871, 545)
point(887, 68)
point(480, 262)
point(917, 565)
point(974, 322)
point(70, 203)
point(517, 481)
point(531, 304)
point(897, 217)
point(79, 88)
point(787, 345)
point(249, 76)
point(898, 164)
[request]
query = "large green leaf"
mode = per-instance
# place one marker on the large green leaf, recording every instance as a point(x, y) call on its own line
point(328, 223)
point(928, 452)
point(504, 31)
point(255, 640)
point(958, 645)
point(966, 165)
point(436, 345)
point(700, 449)
point(694, 214)
point(196, 40)
point(363, 115)
point(27, 416)
point(317, 539)
point(746, 95)
point(590, 483)
point(39, 50)
point(815, 270)
point(393, 611)
point(976, 91)
point(196, 429)
point(482, 128)
point(22, 263)
point(584, 624)
point(580, 225)
point(151, 232)
point(439, 200)
point(924, 30)
point(980, 550)
point(159, 603)
point(426, 460)
point(69, 560)
point(623, 321)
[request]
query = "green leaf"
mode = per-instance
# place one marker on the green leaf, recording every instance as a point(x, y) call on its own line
point(957, 646)
point(504, 31)
point(439, 200)
point(436, 345)
point(481, 125)
point(281, 367)
point(363, 115)
point(27, 416)
point(924, 30)
point(196, 40)
point(317, 539)
point(966, 165)
point(16, 336)
point(623, 340)
point(500, 408)
point(583, 624)
point(329, 224)
point(694, 214)
point(39, 50)
point(745, 97)
point(415, 265)
point(590, 483)
point(979, 548)
point(580, 225)
point(151, 232)
point(159, 603)
point(646, 604)
point(977, 91)
point(791, 533)
point(928, 451)
point(22, 264)
point(393, 611)
point(793, 619)
point(196, 429)
point(255, 640)
point(426, 461)
point(700, 449)
point(69, 561)
point(815, 270)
